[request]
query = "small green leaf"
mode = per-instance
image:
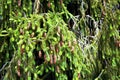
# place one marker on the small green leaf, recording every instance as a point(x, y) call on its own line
point(8, 1)
point(21, 37)
point(30, 54)
point(12, 39)
point(20, 42)
point(46, 70)
point(111, 27)
point(31, 46)
point(23, 46)
point(29, 78)
point(27, 48)
point(5, 6)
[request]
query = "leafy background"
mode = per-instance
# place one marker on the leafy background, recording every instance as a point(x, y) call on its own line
point(59, 39)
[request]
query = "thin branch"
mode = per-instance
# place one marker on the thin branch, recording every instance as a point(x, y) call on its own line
point(3, 67)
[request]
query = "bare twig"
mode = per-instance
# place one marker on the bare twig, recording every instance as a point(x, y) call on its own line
point(3, 67)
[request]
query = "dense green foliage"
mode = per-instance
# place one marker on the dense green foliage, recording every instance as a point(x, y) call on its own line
point(59, 39)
